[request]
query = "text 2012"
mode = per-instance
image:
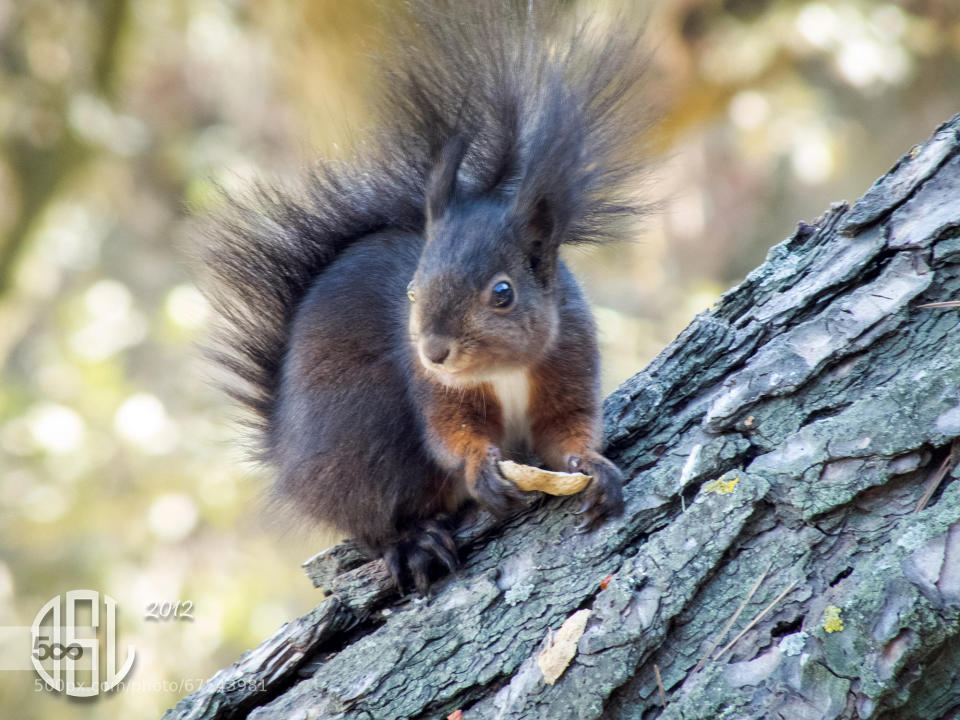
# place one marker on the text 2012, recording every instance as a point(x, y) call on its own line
point(179, 610)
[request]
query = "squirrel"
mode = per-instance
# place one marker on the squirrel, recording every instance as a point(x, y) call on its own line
point(406, 321)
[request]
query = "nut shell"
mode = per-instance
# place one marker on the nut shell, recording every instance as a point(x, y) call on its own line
point(527, 477)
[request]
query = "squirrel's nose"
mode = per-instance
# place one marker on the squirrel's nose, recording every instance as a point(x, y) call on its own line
point(437, 349)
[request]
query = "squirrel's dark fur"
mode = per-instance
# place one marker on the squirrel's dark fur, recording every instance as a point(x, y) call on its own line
point(406, 320)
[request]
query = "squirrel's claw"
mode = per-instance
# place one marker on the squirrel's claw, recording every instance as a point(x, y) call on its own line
point(583, 508)
point(393, 559)
point(419, 563)
point(583, 527)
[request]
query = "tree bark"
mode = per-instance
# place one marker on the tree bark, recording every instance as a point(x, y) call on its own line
point(826, 401)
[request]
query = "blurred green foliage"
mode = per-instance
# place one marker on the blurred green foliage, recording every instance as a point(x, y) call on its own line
point(119, 467)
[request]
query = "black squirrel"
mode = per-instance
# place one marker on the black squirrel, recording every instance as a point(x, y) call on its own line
point(407, 322)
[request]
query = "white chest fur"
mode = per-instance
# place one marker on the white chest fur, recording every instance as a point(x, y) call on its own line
point(512, 390)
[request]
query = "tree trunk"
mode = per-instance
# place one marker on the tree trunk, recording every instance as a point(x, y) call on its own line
point(791, 544)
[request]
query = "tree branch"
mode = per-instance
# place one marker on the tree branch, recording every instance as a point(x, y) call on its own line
point(822, 398)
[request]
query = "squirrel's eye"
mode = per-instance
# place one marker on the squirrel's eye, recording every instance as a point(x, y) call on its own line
point(501, 295)
point(410, 294)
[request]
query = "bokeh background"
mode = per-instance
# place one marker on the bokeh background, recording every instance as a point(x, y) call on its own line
point(120, 468)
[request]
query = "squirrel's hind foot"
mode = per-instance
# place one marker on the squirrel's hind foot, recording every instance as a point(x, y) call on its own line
point(414, 560)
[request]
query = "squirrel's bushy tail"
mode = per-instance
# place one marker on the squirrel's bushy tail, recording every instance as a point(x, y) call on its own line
point(547, 104)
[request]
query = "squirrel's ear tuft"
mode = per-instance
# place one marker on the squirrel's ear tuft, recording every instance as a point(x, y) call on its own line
point(442, 182)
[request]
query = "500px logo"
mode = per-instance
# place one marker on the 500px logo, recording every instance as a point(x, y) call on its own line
point(58, 643)
point(57, 651)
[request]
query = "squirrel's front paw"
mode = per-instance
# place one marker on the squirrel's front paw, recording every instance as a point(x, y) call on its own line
point(491, 489)
point(603, 497)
